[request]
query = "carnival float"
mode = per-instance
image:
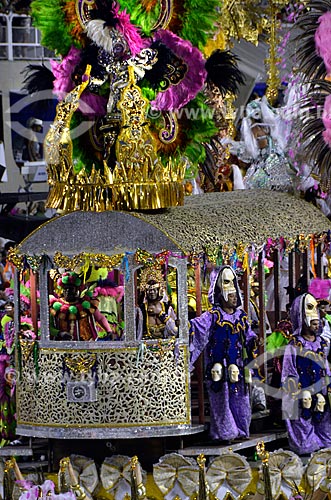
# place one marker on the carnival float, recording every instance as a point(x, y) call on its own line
point(139, 257)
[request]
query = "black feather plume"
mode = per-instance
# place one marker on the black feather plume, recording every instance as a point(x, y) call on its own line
point(164, 58)
point(308, 61)
point(37, 78)
point(317, 152)
point(104, 11)
point(222, 69)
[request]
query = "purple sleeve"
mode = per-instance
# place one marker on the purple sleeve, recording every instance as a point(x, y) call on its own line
point(290, 379)
point(289, 364)
point(250, 335)
point(200, 332)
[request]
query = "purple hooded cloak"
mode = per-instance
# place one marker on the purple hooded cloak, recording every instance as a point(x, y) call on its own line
point(305, 366)
point(226, 339)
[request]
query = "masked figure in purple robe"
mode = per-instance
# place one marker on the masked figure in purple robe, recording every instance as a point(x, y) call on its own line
point(225, 336)
point(305, 379)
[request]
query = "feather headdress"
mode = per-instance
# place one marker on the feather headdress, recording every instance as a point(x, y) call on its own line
point(316, 129)
point(111, 37)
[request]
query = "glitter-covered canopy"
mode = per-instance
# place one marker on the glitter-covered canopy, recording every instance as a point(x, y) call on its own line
point(205, 222)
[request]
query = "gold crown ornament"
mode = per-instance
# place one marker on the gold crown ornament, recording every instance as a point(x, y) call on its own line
point(151, 274)
point(139, 180)
point(70, 191)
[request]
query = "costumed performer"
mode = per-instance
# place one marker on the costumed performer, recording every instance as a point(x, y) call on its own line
point(305, 379)
point(224, 334)
point(156, 318)
point(74, 317)
point(7, 381)
point(110, 296)
point(262, 145)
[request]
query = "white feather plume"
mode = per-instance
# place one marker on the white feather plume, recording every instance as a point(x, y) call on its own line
point(100, 34)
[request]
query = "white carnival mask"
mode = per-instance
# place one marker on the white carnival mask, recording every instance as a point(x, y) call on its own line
point(233, 373)
point(320, 404)
point(217, 372)
point(306, 399)
point(227, 282)
point(310, 309)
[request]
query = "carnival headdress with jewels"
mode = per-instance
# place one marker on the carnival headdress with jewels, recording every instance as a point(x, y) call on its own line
point(145, 77)
point(149, 274)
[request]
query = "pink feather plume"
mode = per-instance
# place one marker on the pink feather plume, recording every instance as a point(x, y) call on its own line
point(117, 292)
point(63, 71)
point(323, 39)
point(130, 32)
point(326, 118)
point(320, 288)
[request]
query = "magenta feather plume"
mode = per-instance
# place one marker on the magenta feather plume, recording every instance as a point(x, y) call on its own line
point(326, 117)
point(130, 32)
point(323, 39)
point(320, 288)
point(63, 71)
point(91, 105)
point(176, 96)
point(327, 137)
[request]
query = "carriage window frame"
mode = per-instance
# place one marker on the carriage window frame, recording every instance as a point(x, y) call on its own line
point(129, 339)
point(45, 340)
point(136, 302)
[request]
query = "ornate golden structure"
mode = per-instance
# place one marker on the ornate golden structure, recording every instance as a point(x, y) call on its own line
point(140, 180)
point(273, 60)
point(70, 191)
point(242, 20)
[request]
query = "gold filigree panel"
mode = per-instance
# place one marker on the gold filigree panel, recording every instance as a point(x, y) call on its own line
point(152, 391)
